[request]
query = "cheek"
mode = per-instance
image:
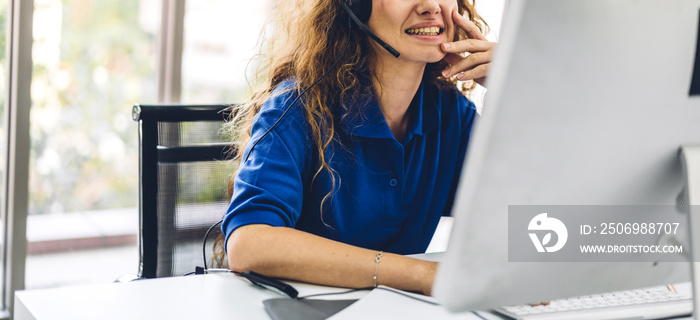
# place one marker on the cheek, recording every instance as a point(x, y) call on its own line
point(381, 19)
point(383, 11)
point(390, 14)
point(451, 26)
point(450, 6)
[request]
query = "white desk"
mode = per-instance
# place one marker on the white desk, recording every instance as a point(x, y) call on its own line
point(213, 296)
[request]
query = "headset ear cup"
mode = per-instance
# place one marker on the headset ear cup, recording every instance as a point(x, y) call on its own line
point(361, 8)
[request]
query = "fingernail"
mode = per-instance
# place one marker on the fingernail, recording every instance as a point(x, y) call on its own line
point(446, 45)
point(445, 72)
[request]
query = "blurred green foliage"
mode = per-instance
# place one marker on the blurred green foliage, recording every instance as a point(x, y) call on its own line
point(93, 59)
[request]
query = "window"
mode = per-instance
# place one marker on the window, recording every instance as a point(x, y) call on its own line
point(92, 60)
point(4, 15)
point(220, 38)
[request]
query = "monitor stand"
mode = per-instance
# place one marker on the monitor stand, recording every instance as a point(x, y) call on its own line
point(690, 159)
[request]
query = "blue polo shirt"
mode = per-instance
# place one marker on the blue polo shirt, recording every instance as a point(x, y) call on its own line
point(389, 195)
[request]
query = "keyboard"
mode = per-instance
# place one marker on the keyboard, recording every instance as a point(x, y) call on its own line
point(649, 303)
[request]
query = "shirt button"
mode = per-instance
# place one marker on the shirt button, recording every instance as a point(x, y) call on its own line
point(393, 182)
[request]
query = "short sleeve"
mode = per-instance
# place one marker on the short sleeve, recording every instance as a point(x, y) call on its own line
point(269, 186)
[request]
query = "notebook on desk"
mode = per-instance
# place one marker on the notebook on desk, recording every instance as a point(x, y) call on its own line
point(310, 309)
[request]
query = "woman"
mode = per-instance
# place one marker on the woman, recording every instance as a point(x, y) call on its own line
point(359, 170)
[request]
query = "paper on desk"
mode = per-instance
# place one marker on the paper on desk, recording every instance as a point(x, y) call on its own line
point(387, 304)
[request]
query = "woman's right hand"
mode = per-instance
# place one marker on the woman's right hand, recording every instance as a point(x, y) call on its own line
point(479, 52)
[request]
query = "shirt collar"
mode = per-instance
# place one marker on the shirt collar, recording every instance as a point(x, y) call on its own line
point(372, 124)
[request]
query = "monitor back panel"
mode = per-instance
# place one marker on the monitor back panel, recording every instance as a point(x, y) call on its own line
point(588, 104)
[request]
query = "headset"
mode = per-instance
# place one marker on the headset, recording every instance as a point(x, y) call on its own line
point(359, 11)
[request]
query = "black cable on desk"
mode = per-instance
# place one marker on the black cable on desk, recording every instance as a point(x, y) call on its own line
point(334, 293)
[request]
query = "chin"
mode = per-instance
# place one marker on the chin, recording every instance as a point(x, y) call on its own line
point(436, 59)
point(426, 56)
point(434, 56)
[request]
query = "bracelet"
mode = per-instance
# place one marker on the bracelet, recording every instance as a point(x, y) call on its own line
point(377, 260)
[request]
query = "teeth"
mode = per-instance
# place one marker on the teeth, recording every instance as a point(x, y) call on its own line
point(431, 31)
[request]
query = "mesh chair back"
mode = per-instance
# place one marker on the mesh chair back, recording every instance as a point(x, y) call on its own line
point(183, 178)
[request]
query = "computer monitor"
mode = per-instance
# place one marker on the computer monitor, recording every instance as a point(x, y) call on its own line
point(588, 104)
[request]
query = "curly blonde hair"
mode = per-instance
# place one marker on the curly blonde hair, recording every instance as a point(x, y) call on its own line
point(310, 38)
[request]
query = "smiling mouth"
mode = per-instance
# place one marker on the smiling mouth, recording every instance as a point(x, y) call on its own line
point(430, 31)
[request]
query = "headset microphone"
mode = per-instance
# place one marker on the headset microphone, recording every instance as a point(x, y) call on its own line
point(365, 9)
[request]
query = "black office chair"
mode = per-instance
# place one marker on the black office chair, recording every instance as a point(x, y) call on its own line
point(183, 180)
